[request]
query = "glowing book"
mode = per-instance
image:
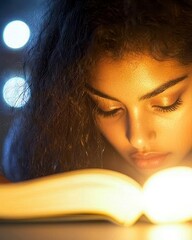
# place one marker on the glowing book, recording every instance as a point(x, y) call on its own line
point(165, 197)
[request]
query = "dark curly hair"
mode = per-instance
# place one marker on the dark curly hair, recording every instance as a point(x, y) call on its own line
point(56, 131)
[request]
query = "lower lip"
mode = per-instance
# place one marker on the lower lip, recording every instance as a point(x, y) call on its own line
point(150, 163)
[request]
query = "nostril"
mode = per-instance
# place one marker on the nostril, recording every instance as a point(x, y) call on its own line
point(152, 135)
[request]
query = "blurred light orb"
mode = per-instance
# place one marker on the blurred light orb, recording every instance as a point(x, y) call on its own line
point(168, 195)
point(16, 34)
point(16, 92)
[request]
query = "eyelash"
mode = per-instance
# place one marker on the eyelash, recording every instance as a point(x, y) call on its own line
point(170, 108)
point(102, 113)
point(114, 112)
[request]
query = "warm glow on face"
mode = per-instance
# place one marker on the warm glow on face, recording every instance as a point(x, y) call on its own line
point(168, 196)
point(144, 111)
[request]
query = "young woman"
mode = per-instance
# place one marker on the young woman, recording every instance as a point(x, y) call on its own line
point(111, 87)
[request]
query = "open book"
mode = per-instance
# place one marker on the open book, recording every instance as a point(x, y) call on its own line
point(165, 197)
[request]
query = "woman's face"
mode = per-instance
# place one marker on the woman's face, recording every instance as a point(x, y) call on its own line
point(145, 111)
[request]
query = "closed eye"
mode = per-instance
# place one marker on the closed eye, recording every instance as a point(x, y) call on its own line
point(170, 108)
point(111, 113)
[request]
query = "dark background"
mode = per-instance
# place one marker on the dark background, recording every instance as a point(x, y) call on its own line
point(11, 60)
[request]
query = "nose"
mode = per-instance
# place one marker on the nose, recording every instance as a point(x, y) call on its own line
point(140, 132)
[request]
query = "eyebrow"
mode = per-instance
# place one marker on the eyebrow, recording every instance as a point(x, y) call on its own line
point(154, 93)
point(98, 93)
point(163, 87)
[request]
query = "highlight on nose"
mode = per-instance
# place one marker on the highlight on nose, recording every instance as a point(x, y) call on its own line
point(139, 134)
point(137, 142)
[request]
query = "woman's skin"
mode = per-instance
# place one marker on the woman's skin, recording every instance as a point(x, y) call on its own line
point(145, 112)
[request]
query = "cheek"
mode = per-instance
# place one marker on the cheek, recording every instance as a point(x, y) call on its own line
point(114, 131)
point(176, 133)
point(183, 132)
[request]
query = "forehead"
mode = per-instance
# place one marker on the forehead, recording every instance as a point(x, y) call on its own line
point(135, 74)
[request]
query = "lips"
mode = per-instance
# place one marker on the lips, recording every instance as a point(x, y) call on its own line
point(149, 160)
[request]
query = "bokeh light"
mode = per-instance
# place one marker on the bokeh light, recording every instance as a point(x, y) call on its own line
point(168, 196)
point(16, 92)
point(16, 34)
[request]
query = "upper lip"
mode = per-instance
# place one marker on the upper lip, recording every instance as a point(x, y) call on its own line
point(147, 155)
